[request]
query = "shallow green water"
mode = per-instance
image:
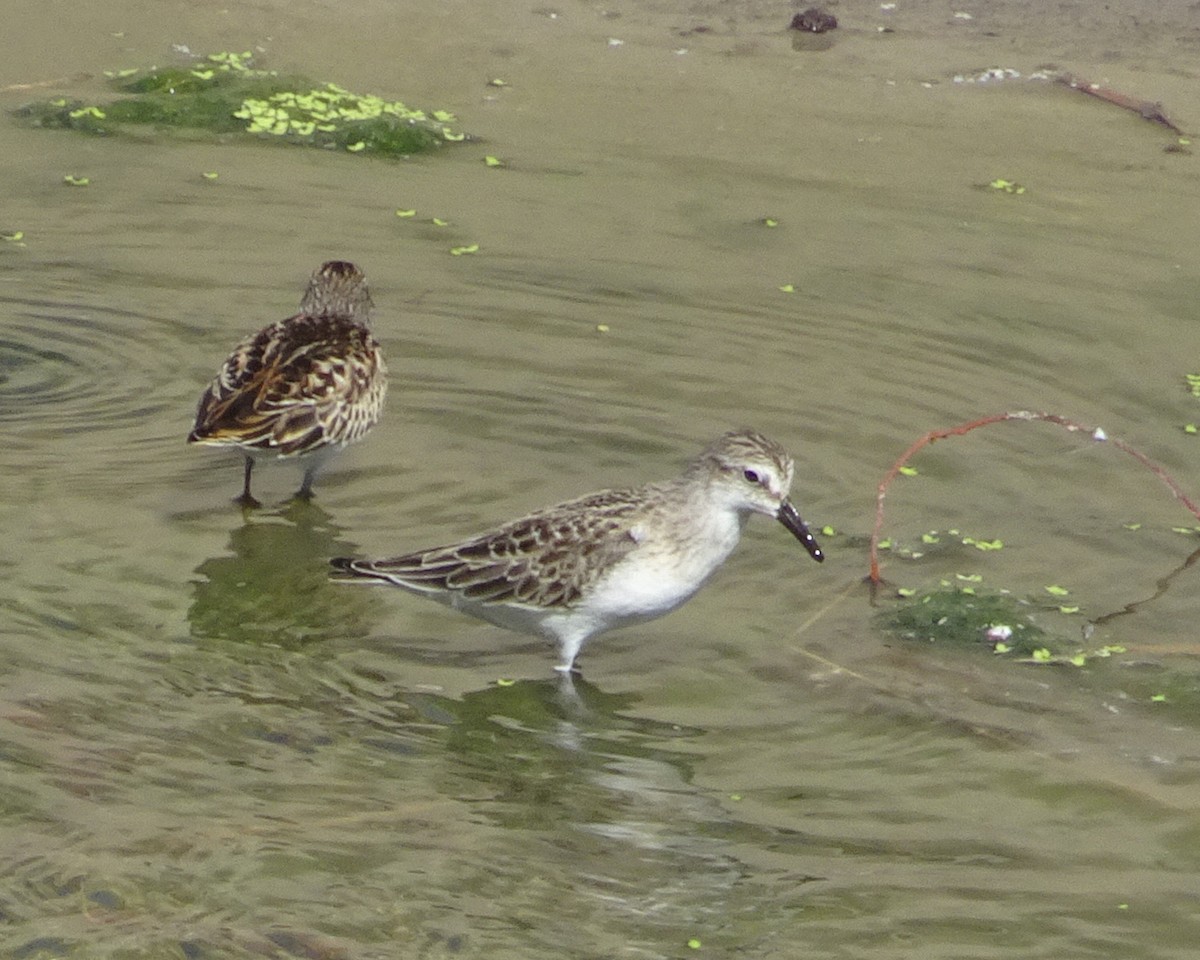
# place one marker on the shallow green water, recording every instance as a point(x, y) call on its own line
point(211, 751)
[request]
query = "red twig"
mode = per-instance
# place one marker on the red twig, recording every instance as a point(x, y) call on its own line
point(1147, 109)
point(962, 428)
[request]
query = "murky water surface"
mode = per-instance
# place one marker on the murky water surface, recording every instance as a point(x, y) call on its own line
point(211, 751)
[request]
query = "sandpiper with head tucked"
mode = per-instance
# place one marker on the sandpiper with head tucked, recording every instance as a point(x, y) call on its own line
point(585, 566)
point(301, 388)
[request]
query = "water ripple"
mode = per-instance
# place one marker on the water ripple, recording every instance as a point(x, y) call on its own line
point(79, 367)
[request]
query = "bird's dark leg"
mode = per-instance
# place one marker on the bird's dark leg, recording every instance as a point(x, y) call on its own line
point(306, 491)
point(246, 500)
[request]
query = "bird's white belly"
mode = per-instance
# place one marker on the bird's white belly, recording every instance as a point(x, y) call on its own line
point(653, 581)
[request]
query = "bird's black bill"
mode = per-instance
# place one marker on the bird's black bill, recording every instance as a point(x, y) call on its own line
point(791, 519)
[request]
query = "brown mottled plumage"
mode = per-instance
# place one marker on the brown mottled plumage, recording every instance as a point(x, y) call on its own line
point(582, 567)
point(301, 388)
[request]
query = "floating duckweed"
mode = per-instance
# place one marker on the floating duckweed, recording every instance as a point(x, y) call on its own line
point(332, 116)
point(983, 544)
point(226, 93)
point(1006, 186)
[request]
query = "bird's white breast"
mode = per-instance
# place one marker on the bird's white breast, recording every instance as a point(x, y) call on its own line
point(662, 572)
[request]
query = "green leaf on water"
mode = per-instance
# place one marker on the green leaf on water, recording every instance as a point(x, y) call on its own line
point(983, 544)
point(1006, 186)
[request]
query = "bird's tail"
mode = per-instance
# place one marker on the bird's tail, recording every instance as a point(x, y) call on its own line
point(347, 569)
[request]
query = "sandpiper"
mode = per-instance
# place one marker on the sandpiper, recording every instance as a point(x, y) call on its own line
point(612, 558)
point(300, 388)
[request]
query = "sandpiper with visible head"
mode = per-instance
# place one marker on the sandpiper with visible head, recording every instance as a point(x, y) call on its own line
point(300, 388)
point(617, 557)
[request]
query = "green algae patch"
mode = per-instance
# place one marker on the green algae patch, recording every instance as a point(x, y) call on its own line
point(999, 622)
point(226, 95)
point(968, 618)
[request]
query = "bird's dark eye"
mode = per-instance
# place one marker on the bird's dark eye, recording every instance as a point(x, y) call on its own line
point(751, 475)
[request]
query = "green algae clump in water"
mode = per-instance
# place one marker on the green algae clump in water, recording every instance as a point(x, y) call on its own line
point(224, 94)
point(967, 618)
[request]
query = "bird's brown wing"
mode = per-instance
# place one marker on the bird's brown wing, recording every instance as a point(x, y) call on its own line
point(546, 560)
point(296, 385)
